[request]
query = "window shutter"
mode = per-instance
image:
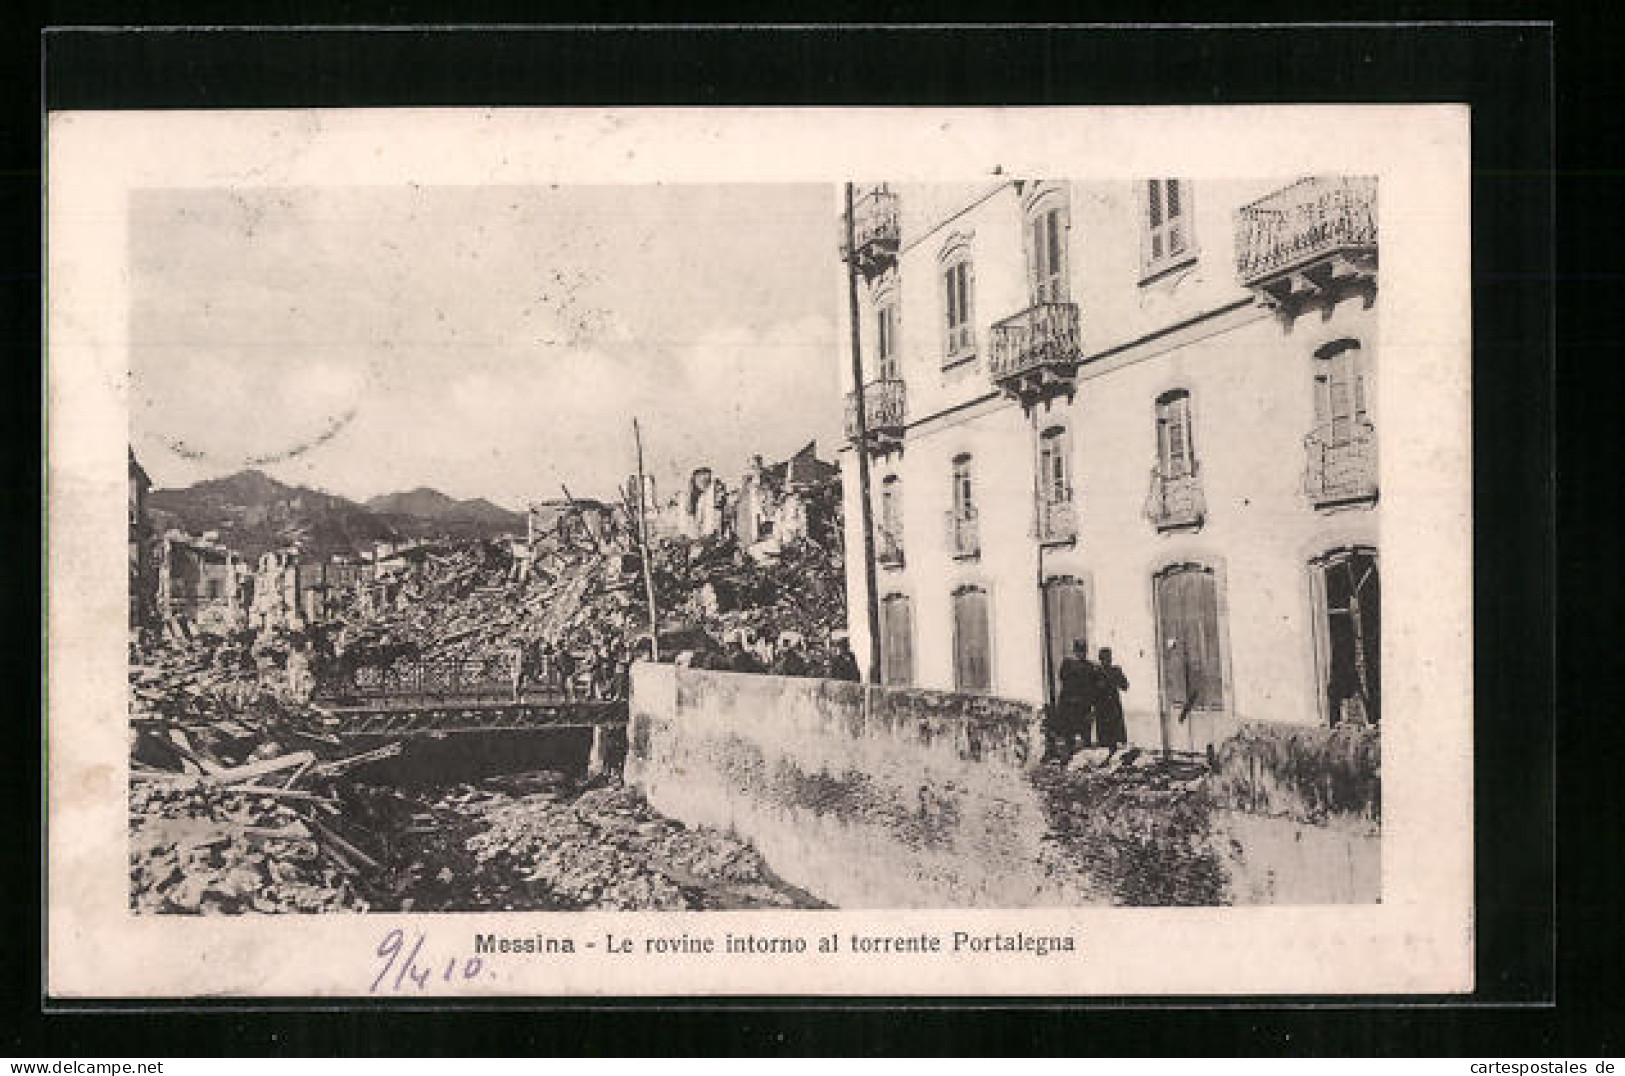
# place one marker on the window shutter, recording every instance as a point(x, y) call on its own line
point(971, 665)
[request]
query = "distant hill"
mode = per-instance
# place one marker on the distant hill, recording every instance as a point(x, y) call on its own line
point(424, 512)
point(254, 513)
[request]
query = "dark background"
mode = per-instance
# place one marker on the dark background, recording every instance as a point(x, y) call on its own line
point(1535, 997)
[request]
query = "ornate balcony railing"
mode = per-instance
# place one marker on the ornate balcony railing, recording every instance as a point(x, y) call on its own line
point(1175, 501)
point(1315, 220)
point(889, 547)
point(876, 231)
point(1037, 348)
point(1055, 521)
point(1341, 463)
point(964, 536)
point(885, 410)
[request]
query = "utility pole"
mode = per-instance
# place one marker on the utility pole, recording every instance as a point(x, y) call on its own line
point(643, 547)
point(870, 588)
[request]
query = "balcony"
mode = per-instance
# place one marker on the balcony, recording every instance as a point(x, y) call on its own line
point(888, 547)
point(876, 232)
point(1341, 462)
point(1055, 522)
point(964, 536)
point(1036, 352)
point(885, 413)
point(1176, 502)
point(1316, 238)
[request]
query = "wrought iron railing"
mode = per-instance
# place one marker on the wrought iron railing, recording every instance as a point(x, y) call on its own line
point(1341, 462)
point(1175, 500)
point(1054, 520)
point(885, 407)
point(876, 226)
point(1045, 334)
point(964, 535)
point(1314, 217)
point(454, 679)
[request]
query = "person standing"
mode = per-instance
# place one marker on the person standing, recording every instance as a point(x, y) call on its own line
point(1074, 709)
point(843, 666)
point(1110, 728)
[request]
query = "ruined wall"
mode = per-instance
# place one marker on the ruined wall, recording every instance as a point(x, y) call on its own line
point(885, 797)
point(867, 797)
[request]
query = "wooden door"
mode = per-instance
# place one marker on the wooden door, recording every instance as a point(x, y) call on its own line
point(973, 668)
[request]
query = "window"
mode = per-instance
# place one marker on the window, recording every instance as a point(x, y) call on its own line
point(1054, 470)
point(1340, 392)
point(1188, 641)
point(891, 518)
point(958, 286)
point(1168, 239)
point(963, 537)
point(964, 492)
point(896, 640)
point(973, 669)
point(1348, 599)
point(886, 337)
point(1176, 456)
point(1046, 252)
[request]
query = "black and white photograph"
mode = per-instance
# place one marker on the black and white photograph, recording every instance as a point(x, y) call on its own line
point(996, 544)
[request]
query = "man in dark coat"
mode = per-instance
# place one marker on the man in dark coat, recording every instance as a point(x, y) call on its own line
point(1074, 709)
point(1110, 728)
point(843, 666)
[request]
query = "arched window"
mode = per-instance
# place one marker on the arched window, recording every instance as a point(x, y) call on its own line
point(1047, 228)
point(958, 277)
point(1348, 601)
point(973, 665)
point(964, 539)
point(1176, 455)
point(1054, 465)
point(1340, 392)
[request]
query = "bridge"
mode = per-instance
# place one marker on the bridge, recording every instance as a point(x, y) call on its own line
point(432, 696)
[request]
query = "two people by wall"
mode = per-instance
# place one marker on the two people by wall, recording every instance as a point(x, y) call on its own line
point(1089, 709)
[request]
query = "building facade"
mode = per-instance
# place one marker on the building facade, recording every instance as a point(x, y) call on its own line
point(1140, 414)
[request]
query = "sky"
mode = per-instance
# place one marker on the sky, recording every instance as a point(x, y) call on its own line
point(484, 341)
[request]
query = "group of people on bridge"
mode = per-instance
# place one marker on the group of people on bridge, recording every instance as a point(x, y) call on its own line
point(601, 671)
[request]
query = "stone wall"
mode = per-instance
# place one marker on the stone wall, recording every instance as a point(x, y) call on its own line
point(887, 797)
point(867, 797)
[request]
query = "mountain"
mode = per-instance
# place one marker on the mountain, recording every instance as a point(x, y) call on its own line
point(423, 513)
point(255, 513)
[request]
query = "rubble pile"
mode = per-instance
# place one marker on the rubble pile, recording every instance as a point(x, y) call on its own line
point(608, 849)
point(1134, 823)
point(202, 850)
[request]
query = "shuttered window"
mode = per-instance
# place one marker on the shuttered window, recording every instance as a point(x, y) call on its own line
point(897, 640)
point(1046, 254)
point(886, 337)
point(973, 669)
point(1066, 621)
point(1340, 391)
point(964, 492)
point(1188, 639)
point(1167, 226)
point(1176, 456)
point(1054, 478)
point(956, 286)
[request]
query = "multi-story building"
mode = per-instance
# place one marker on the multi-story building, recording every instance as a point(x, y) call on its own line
point(1141, 414)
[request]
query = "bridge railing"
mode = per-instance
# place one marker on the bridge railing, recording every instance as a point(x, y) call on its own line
point(487, 679)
